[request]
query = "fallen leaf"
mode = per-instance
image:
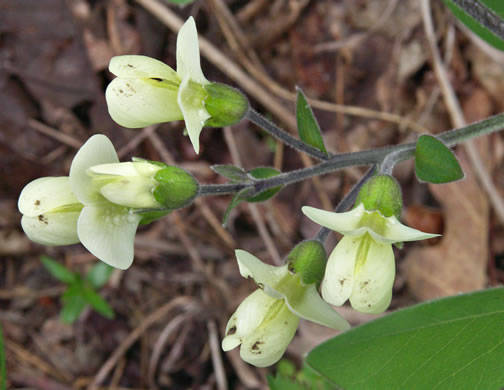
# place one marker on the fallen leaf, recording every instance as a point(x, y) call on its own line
point(458, 263)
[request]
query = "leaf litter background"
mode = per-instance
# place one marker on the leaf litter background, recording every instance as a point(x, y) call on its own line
point(173, 303)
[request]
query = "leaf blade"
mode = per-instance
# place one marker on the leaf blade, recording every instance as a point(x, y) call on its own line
point(308, 128)
point(414, 348)
point(435, 162)
point(58, 270)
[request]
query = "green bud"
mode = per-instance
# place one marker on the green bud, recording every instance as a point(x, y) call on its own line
point(381, 193)
point(177, 188)
point(225, 104)
point(308, 260)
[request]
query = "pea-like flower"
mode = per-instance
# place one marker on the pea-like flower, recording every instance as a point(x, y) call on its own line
point(147, 91)
point(50, 211)
point(266, 321)
point(102, 202)
point(362, 268)
point(105, 228)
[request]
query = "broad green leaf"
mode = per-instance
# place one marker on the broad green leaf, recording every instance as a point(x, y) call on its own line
point(99, 274)
point(73, 303)
point(308, 128)
point(497, 6)
point(435, 162)
point(450, 343)
point(97, 302)
point(3, 365)
point(264, 173)
point(231, 172)
point(237, 199)
point(57, 270)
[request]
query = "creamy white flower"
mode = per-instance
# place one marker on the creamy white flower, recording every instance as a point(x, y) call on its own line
point(361, 268)
point(147, 91)
point(50, 211)
point(266, 321)
point(105, 228)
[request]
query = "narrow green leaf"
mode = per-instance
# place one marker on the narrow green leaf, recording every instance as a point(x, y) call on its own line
point(435, 162)
point(231, 172)
point(3, 365)
point(73, 303)
point(472, 24)
point(450, 343)
point(57, 270)
point(237, 199)
point(308, 128)
point(264, 173)
point(97, 302)
point(99, 274)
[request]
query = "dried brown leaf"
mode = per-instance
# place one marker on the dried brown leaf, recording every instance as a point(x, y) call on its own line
point(458, 263)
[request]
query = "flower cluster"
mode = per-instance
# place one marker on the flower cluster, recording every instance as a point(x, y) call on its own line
point(97, 204)
point(102, 202)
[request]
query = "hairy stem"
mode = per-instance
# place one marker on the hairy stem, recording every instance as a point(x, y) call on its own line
point(285, 137)
point(398, 153)
point(482, 14)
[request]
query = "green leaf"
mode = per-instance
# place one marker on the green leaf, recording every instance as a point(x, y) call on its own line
point(450, 343)
point(497, 6)
point(73, 303)
point(231, 172)
point(97, 302)
point(237, 199)
point(57, 270)
point(435, 162)
point(280, 382)
point(3, 365)
point(264, 173)
point(308, 128)
point(99, 274)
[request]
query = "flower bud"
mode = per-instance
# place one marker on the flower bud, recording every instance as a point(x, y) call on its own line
point(381, 193)
point(308, 260)
point(225, 104)
point(177, 188)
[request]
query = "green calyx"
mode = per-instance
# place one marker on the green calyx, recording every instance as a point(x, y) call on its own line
point(177, 188)
point(381, 193)
point(225, 104)
point(308, 260)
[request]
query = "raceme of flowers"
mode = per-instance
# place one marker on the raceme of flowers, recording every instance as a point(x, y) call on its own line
point(362, 268)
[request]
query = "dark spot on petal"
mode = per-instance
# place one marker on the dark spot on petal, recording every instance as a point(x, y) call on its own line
point(156, 79)
point(255, 347)
point(342, 281)
point(286, 323)
point(120, 90)
point(231, 331)
point(130, 66)
point(37, 203)
point(43, 219)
